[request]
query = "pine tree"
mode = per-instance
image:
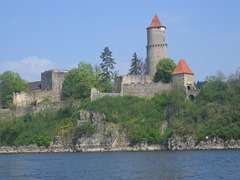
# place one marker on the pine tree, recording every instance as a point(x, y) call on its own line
point(107, 64)
point(135, 65)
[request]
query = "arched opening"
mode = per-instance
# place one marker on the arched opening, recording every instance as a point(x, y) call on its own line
point(191, 97)
point(188, 88)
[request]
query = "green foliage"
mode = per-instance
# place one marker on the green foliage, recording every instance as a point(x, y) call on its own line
point(214, 113)
point(138, 67)
point(66, 132)
point(37, 128)
point(164, 70)
point(87, 128)
point(12, 106)
point(215, 91)
point(199, 84)
point(141, 118)
point(43, 141)
point(107, 64)
point(79, 81)
point(11, 82)
point(167, 134)
point(46, 100)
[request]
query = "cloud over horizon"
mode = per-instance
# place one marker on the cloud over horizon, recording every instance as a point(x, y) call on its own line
point(29, 68)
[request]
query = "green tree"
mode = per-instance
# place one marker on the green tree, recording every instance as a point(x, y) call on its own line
point(79, 81)
point(138, 67)
point(107, 64)
point(164, 68)
point(11, 82)
point(135, 65)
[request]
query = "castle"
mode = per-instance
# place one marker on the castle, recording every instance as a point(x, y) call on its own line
point(143, 85)
point(51, 82)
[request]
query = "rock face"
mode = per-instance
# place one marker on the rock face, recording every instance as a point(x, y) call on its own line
point(111, 137)
point(107, 137)
point(23, 149)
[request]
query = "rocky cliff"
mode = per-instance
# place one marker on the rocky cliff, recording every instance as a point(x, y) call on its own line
point(112, 137)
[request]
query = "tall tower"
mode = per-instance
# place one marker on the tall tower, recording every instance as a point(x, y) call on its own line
point(156, 45)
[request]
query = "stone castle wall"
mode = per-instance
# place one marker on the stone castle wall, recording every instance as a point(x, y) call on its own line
point(144, 90)
point(95, 94)
point(24, 99)
point(128, 79)
point(51, 88)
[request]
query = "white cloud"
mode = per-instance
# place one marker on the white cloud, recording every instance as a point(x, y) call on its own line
point(29, 68)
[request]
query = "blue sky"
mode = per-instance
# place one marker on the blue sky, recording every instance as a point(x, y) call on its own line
point(39, 35)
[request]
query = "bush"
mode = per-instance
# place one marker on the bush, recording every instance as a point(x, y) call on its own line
point(12, 106)
point(44, 141)
point(87, 128)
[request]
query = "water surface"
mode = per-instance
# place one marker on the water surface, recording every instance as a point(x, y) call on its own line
point(215, 164)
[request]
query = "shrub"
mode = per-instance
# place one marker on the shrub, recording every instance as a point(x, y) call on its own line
point(87, 128)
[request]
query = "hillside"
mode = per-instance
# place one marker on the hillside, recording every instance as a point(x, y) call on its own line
point(214, 113)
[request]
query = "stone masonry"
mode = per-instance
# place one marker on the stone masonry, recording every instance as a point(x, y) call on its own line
point(51, 88)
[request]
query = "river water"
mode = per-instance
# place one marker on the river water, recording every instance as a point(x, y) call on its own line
point(214, 164)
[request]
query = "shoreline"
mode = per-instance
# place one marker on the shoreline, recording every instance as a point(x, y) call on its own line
point(33, 148)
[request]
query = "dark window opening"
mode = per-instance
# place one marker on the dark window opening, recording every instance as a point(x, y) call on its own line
point(191, 97)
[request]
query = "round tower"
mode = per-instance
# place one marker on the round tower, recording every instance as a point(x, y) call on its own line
point(156, 45)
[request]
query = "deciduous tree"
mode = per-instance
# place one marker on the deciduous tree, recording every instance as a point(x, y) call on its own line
point(79, 81)
point(11, 82)
point(164, 68)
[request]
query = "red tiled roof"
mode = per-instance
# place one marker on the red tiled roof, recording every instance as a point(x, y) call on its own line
point(156, 23)
point(182, 68)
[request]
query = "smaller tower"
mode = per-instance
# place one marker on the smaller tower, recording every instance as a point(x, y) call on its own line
point(156, 45)
point(183, 76)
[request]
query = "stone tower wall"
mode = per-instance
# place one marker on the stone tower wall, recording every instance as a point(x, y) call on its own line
point(46, 78)
point(183, 80)
point(156, 48)
point(187, 81)
point(58, 77)
point(53, 80)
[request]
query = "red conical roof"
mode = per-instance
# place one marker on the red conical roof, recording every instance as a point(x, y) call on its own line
point(156, 23)
point(182, 68)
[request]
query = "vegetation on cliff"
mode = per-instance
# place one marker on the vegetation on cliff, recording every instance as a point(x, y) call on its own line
point(214, 113)
point(37, 128)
